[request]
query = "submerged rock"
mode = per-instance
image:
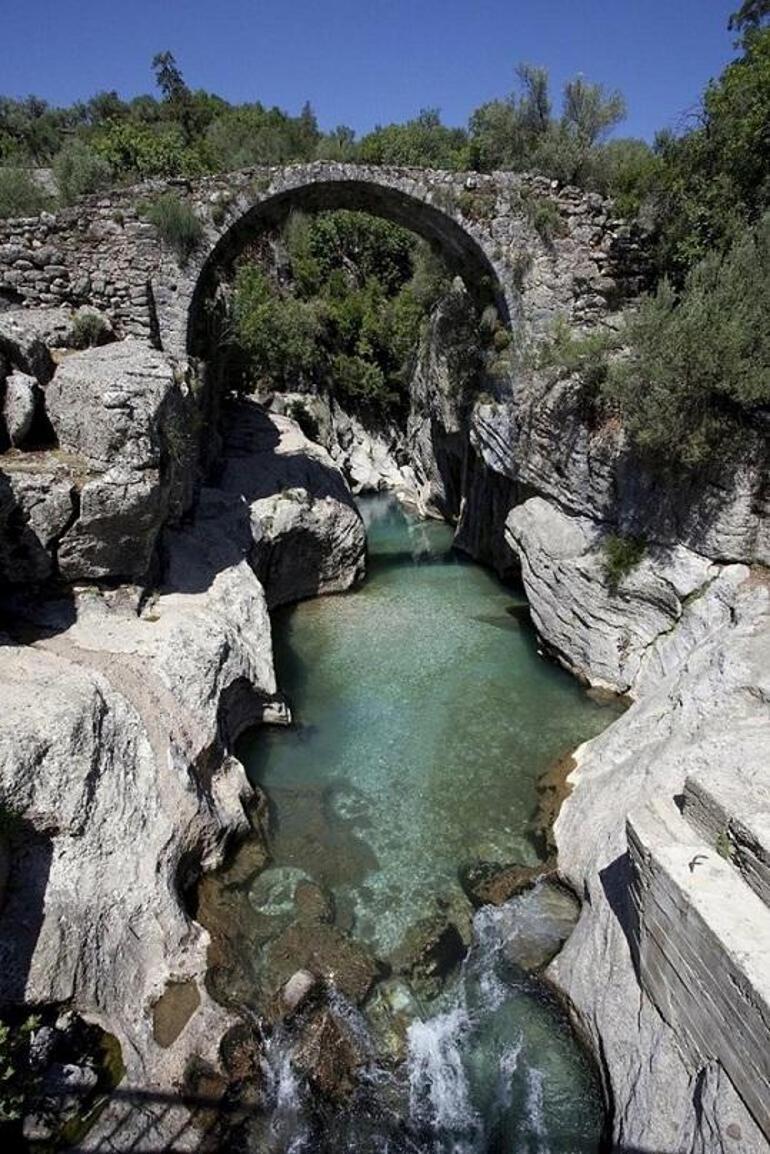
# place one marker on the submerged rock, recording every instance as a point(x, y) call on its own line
point(313, 903)
point(391, 1010)
point(490, 883)
point(430, 951)
point(323, 950)
point(327, 1054)
point(297, 990)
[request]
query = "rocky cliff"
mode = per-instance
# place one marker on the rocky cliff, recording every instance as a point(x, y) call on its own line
point(122, 701)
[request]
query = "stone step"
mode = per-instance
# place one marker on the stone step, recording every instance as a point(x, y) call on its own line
point(731, 812)
point(701, 944)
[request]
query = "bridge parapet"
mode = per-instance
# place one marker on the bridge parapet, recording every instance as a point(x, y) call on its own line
point(544, 250)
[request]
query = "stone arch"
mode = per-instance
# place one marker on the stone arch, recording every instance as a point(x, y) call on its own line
point(423, 202)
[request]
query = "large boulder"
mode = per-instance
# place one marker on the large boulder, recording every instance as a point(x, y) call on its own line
point(37, 504)
point(113, 402)
point(23, 347)
point(120, 515)
point(19, 405)
point(306, 532)
point(126, 415)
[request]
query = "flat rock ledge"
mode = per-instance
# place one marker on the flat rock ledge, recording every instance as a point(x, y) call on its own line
point(666, 834)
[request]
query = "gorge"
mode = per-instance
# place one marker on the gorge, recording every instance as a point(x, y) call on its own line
point(149, 521)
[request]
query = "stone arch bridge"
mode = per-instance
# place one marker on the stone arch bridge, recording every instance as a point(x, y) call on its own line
point(538, 250)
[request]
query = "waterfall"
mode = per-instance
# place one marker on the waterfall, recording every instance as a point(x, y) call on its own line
point(534, 1110)
point(438, 1085)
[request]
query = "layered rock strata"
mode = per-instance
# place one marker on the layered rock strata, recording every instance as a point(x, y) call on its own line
point(665, 837)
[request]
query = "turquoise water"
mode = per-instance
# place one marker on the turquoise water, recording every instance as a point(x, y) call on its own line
point(424, 715)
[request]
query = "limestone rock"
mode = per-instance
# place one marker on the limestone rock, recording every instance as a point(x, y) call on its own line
point(536, 435)
point(705, 712)
point(37, 504)
point(600, 633)
point(126, 413)
point(19, 405)
point(23, 347)
point(112, 401)
point(307, 535)
point(110, 752)
point(119, 518)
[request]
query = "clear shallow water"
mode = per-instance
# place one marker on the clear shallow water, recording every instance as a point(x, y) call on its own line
point(424, 716)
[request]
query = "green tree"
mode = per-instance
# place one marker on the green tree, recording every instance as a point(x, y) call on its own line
point(79, 170)
point(590, 112)
point(751, 14)
point(168, 78)
point(699, 365)
point(424, 141)
point(279, 333)
point(339, 144)
point(716, 178)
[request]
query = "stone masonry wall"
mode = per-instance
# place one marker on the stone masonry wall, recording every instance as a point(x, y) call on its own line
point(104, 253)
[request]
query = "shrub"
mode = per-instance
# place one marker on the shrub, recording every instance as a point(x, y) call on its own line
point(362, 383)
point(546, 219)
point(724, 845)
point(88, 329)
point(20, 194)
point(586, 356)
point(621, 556)
point(699, 364)
point(80, 170)
point(630, 172)
point(138, 150)
point(280, 334)
point(477, 204)
point(177, 225)
point(541, 212)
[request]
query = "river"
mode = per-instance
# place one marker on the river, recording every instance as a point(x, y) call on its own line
point(424, 716)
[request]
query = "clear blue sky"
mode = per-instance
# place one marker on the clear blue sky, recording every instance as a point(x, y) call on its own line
point(362, 62)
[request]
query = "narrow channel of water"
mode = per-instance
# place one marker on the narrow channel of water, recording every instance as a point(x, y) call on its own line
point(424, 717)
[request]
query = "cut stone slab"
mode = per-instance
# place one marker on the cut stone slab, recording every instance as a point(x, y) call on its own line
point(703, 943)
point(730, 809)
